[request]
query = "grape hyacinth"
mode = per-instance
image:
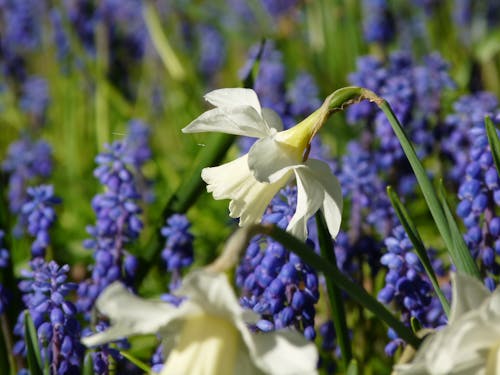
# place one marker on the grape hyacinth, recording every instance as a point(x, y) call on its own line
point(469, 113)
point(408, 287)
point(4, 263)
point(212, 51)
point(362, 185)
point(27, 161)
point(378, 21)
point(45, 291)
point(479, 192)
point(276, 283)
point(118, 216)
point(178, 251)
point(39, 215)
point(22, 26)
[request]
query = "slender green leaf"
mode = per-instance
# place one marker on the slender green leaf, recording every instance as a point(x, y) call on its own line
point(463, 261)
point(462, 252)
point(494, 141)
point(356, 292)
point(415, 324)
point(418, 244)
point(7, 362)
point(353, 368)
point(33, 355)
point(144, 367)
point(161, 43)
point(88, 364)
point(334, 293)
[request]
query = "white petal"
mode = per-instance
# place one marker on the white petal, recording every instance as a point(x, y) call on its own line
point(332, 202)
point(249, 198)
point(468, 293)
point(239, 120)
point(272, 119)
point(212, 292)
point(268, 160)
point(310, 194)
point(233, 97)
point(130, 315)
point(206, 345)
point(283, 352)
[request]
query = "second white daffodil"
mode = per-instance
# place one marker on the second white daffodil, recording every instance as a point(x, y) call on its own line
point(470, 343)
point(207, 334)
point(252, 180)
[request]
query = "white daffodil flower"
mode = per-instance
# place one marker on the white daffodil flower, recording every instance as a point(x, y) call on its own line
point(207, 334)
point(252, 180)
point(470, 343)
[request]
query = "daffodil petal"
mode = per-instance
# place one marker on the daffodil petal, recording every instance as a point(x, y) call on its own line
point(233, 97)
point(207, 344)
point(268, 159)
point(468, 293)
point(310, 196)
point(244, 363)
point(272, 119)
point(213, 292)
point(283, 352)
point(332, 200)
point(239, 120)
point(249, 197)
point(130, 315)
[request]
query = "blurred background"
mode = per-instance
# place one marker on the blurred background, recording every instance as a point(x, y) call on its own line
point(77, 75)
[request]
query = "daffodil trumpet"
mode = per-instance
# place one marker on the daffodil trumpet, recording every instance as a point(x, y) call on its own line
point(278, 156)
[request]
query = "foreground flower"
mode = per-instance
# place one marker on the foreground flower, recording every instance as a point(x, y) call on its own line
point(207, 333)
point(252, 180)
point(470, 343)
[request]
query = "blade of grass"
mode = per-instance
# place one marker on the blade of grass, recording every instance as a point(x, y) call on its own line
point(161, 43)
point(457, 238)
point(33, 355)
point(418, 244)
point(334, 293)
point(493, 141)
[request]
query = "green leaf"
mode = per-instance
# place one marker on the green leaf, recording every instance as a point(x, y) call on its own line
point(353, 368)
point(144, 367)
point(5, 360)
point(334, 293)
point(161, 43)
point(415, 324)
point(88, 364)
point(461, 254)
point(463, 261)
point(34, 356)
point(418, 244)
point(494, 141)
point(356, 292)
